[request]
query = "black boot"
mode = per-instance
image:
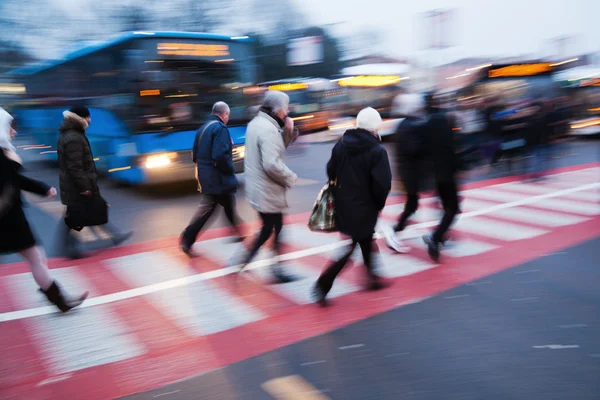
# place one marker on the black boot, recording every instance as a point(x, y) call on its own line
point(55, 296)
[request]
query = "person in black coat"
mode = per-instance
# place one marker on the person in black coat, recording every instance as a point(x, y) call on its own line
point(360, 168)
point(441, 151)
point(77, 177)
point(410, 153)
point(16, 235)
point(213, 155)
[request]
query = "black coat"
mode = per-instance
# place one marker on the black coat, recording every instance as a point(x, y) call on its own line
point(441, 148)
point(360, 167)
point(77, 167)
point(410, 138)
point(15, 233)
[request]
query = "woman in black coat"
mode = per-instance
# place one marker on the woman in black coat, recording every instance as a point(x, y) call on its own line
point(16, 235)
point(360, 168)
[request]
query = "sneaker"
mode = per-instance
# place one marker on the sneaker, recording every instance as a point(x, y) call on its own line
point(392, 240)
point(377, 285)
point(433, 248)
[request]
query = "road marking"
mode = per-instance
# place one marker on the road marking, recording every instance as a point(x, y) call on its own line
point(54, 379)
point(396, 355)
point(352, 346)
point(313, 363)
point(572, 326)
point(174, 283)
point(457, 296)
point(525, 299)
point(529, 271)
point(557, 346)
point(166, 394)
point(292, 387)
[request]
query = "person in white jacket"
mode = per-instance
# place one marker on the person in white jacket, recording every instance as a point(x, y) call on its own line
point(267, 177)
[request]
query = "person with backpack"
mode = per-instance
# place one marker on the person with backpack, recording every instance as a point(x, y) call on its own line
point(409, 137)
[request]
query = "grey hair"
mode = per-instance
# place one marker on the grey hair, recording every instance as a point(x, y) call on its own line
point(276, 101)
point(409, 105)
point(220, 108)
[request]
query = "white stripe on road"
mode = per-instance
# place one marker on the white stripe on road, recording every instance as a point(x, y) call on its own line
point(77, 340)
point(394, 265)
point(521, 214)
point(458, 248)
point(498, 230)
point(127, 294)
point(200, 309)
point(300, 290)
point(536, 189)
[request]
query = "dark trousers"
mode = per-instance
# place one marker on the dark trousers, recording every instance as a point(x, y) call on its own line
point(411, 205)
point(68, 243)
point(205, 211)
point(448, 193)
point(325, 281)
point(270, 223)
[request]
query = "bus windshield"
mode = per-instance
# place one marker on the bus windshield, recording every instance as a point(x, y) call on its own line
point(177, 94)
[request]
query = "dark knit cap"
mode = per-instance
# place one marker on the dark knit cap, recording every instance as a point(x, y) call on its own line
point(83, 112)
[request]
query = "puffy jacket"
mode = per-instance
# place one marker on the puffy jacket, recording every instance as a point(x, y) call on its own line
point(77, 167)
point(441, 147)
point(267, 176)
point(212, 153)
point(360, 167)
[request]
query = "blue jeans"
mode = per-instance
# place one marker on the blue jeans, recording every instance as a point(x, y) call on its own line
point(540, 158)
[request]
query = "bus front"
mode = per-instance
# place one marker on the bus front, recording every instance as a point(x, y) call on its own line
point(175, 84)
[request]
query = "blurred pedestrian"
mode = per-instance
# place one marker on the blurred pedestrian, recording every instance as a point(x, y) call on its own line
point(441, 152)
point(78, 178)
point(268, 178)
point(213, 155)
point(360, 168)
point(410, 153)
point(538, 140)
point(16, 235)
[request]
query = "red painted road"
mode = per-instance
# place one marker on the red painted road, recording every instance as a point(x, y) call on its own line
point(170, 353)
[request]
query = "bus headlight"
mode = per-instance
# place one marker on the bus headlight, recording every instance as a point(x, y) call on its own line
point(160, 160)
point(239, 152)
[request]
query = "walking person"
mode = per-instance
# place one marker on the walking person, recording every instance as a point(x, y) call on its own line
point(441, 152)
point(268, 178)
point(360, 168)
point(16, 235)
point(78, 178)
point(410, 136)
point(213, 156)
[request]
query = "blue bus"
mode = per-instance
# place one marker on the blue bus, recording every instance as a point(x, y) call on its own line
point(148, 93)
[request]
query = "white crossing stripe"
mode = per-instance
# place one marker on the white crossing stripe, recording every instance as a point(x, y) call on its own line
point(200, 308)
point(537, 189)
point(300, 236)
point(569, 206)
point(300, 290)
point(458, 248)
point(497, 230)
point(226, 252)
point(522, 214)
point(80, 339)
point(496, 195)
point(394, 265)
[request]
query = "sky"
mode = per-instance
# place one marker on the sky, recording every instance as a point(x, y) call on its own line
point(485, 28)
point(480, 27)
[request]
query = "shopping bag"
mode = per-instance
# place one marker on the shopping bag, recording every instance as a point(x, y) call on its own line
point(322, 218)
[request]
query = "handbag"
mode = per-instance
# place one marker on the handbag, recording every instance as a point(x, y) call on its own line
point(322, 218)
point(91, 211)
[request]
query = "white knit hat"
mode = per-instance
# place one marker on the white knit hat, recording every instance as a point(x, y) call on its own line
point(5, 122)
point(369, 119)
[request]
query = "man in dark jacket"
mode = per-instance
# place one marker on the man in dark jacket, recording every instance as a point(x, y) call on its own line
point(78, 178)
point(212, 153)
point(410, 138)
point(360, 167)
point(441, 152)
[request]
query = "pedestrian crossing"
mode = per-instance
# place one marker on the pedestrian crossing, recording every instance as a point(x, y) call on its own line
point(202, 299)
